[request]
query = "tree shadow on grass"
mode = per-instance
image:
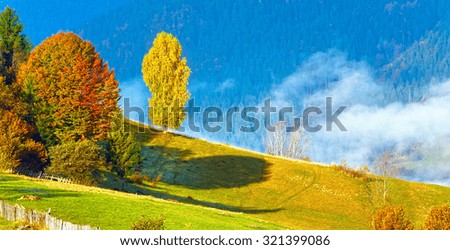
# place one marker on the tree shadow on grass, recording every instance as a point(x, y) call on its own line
point(13, 190)
point(41, 193)
point(183, 167)
point(221, 171)
point(178, 167)
point(191, 200)
point(123, 185)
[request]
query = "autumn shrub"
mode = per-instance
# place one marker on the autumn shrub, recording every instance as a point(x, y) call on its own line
point(18, 151)
point(12, 133)
point(354, 173)
point(7, 159)
point(152, 181)
point(26, 225)
point(147, 179)
point(137, 178)
point(79, 161)
point(155, 181)
point(391, 218)
point(146, 223)
point(438, 218)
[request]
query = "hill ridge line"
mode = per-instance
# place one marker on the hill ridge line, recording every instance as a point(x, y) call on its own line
point(234, 147)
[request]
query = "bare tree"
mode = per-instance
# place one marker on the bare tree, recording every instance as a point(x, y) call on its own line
point(293, 144)
point(386, 167)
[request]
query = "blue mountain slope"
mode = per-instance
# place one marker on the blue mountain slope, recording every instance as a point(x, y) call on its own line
point(257, 43)
point(425, 62)
point(241, 46)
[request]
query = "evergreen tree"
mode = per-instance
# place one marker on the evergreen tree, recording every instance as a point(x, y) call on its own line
point(166, 75)
point(20, 149)
point(14, 45)
point(122, 150)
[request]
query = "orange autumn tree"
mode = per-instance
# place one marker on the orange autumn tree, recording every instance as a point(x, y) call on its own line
point(19, 151)
point(71, 91)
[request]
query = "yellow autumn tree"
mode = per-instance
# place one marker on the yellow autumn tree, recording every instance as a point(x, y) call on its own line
point(166, 75)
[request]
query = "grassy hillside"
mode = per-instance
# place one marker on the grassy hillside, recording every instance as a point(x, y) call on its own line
point(213, 186)
point(115, 210)
point(294, 194)
point(5, 225)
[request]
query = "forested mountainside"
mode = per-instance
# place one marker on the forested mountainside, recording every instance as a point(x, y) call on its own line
point(255, 43)
point(425, 62)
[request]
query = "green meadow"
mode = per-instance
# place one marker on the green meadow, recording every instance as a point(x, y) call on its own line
point(213, 186)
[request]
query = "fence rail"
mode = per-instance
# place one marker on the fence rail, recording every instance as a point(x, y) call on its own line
point(20, 213)
point(41, 175)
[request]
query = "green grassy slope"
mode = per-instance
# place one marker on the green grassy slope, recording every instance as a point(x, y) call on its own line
point(213, 186)
point(294, 194)
point(6, 225)
point(115, 210)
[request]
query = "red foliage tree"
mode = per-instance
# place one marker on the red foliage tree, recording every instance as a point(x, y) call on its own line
point(74, 94)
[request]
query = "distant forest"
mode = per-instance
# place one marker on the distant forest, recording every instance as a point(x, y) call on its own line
point(256, 43)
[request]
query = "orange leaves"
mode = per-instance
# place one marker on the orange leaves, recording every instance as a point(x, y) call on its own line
point(438, 218)
point(78, 92)
point(12, 126)
point(392, 218)
point(16, 149)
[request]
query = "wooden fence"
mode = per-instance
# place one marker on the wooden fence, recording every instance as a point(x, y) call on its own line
point(19, 213)
point(41, 175)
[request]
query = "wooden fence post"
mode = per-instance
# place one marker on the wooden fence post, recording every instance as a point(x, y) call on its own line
point(20, 213)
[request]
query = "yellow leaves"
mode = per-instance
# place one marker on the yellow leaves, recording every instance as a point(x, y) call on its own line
point(13, 133)
point(392, 218)
point(438, 218)
point(11, 126)
point(166, 75)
